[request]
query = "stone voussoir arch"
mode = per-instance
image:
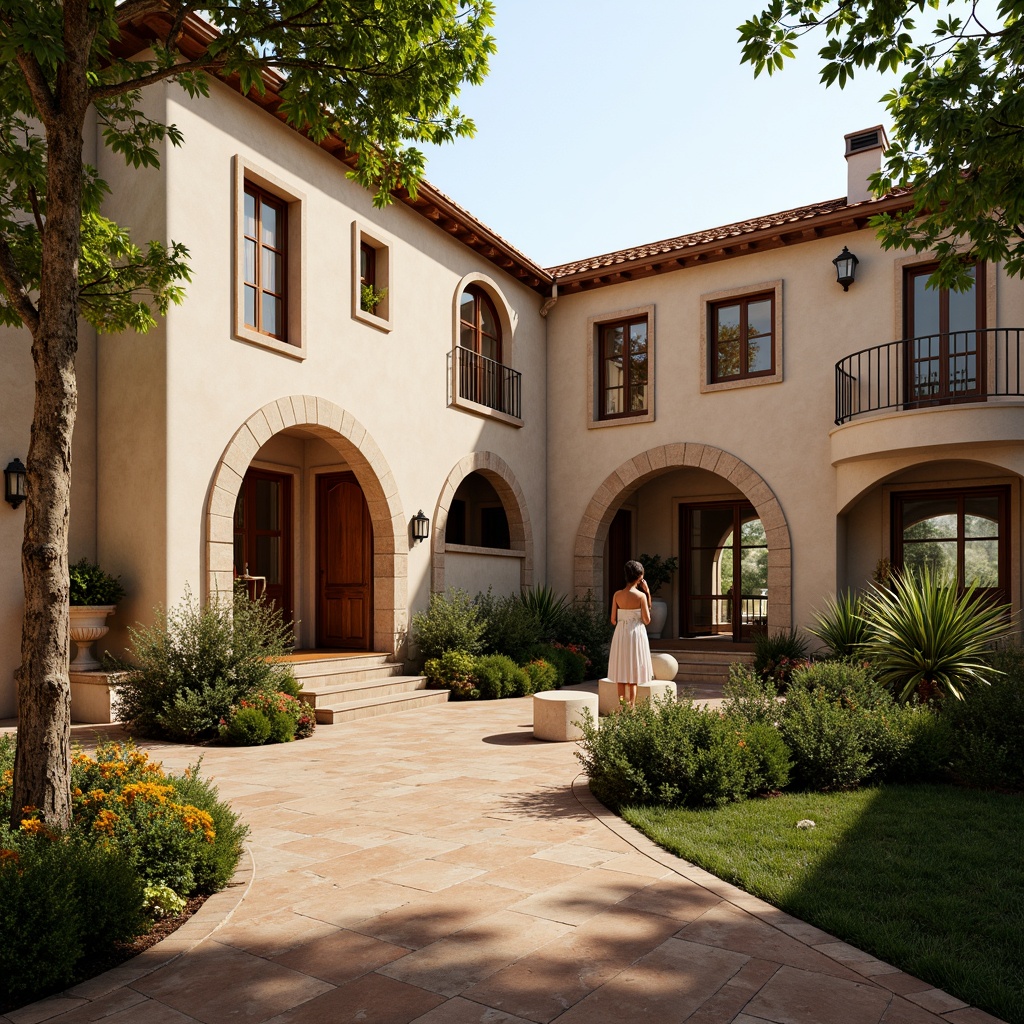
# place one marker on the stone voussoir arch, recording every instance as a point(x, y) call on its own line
point(499, 474)
point(588, 554)
point(321, 418)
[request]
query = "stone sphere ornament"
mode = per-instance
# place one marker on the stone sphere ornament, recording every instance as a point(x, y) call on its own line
point(665, 667)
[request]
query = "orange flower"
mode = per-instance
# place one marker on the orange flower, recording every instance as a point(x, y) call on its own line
point(105, 822)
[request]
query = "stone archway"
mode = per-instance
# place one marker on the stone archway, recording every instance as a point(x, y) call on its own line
point(320, 418)
point(501, 477)
point(588, 554)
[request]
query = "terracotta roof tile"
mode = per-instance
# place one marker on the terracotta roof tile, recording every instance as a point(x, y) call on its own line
point(711, 235)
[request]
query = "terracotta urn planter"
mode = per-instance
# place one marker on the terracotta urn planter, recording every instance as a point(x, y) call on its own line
point(88, 624)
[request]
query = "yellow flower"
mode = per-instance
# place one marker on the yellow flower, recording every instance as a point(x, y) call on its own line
point(105, 822)
point(33, 826)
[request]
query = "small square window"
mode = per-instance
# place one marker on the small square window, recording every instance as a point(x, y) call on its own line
point(741, 337)
point(371, 277)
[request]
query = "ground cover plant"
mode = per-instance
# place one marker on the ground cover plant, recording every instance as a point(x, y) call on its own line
point(141, 842)
point(927, 878)
point(198, 665)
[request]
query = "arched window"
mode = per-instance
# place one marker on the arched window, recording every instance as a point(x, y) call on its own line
point(480, 327)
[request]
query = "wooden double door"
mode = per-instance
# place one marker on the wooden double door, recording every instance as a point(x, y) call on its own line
point(344, 561)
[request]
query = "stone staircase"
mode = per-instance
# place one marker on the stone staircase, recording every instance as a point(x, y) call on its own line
point(708, 666)
point(345, 688)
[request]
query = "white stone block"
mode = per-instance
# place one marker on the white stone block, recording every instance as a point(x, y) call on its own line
point(557, 713)
point(655, 690)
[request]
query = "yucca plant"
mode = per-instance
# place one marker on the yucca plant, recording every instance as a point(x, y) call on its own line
point(546, 606)
point(841, 625)
point(928, 639)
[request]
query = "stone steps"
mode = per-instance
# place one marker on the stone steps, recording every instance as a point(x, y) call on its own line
point(347, 688)
point(710, 666)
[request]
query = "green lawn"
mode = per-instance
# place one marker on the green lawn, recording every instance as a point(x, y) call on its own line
point(927, 878)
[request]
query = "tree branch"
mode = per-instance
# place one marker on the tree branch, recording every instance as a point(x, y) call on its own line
point(114, 89)
point(15, 288)
point(38, 87)
point(36, 212)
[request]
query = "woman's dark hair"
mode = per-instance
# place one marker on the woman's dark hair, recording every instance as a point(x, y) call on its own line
point(633, 571)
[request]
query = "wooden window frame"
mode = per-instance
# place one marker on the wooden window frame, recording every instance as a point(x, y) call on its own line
point(264, 198)
point(711, 301)
point(945, 396)
point(480, 298)
point(1001, 491)
point(253, 180)
point(370, 239)
point(744, 302)
point(595, 368)
point(627, 388)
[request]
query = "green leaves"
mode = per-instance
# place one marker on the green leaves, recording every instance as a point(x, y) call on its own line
point(927, 637)
point(957, 115)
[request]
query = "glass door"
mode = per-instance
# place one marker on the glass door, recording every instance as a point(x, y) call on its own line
point(263, 536)
point(724, 584)
point(945, 350)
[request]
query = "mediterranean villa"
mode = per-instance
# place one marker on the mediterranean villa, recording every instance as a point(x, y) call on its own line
point(343, 380)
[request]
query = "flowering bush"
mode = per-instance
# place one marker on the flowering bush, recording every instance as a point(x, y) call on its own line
point(454, 670)
point(267, 718)
point(66, 898)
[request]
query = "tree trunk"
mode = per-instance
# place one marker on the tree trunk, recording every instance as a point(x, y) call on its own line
point(42, 768)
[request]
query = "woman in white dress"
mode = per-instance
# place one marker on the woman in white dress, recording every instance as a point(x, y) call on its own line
point(629, 660)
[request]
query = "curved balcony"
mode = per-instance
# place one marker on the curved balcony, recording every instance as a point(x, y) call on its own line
point(934, 370)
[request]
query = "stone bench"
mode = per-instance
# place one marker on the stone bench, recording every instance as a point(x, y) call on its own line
point(608, 693)
point(556, 714)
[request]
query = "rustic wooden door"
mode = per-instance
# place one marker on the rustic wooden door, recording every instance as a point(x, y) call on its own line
point(344, 546)
point(263, 536)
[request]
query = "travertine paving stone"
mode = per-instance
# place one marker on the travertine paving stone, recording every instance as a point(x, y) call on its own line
point(444, 867)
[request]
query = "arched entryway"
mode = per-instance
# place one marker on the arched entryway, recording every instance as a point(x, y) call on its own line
point(627, 479)
point(363, 469)
point(499, 475)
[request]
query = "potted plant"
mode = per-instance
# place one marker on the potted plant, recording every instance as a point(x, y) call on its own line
point(93, 597)
point(657, 572)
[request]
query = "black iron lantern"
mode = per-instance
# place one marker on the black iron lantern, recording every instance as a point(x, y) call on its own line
point(14, 483)
point(846, 268)
point(420, 527)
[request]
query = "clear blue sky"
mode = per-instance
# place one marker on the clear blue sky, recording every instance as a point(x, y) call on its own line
point(606, 124)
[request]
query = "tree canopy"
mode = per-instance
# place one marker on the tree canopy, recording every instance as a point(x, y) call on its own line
point(381, 75)
point(957, 113)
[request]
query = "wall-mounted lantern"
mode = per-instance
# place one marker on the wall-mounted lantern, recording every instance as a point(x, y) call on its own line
point(14, 483)
point(420, 527)
point(846, 268)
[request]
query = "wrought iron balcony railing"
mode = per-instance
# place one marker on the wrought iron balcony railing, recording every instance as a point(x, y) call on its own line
point(937, 369)
point(484, 381)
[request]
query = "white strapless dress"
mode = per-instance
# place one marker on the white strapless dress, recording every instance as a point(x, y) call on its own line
point(629, 660)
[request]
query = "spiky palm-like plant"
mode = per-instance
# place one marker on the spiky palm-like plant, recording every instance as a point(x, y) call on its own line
point(547, 607)
point(841, 625)
point(927, 638)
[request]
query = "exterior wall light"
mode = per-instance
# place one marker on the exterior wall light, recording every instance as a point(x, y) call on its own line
point(14, 483)
point(846, 268)
point(420, 527)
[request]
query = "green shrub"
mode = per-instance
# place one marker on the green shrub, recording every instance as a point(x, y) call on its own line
point(670, 752)
point(841, 625)
point(63, 900)
point(826, 740)
point(90, 585)
point(750, 699)
point(927, 639)
point(161, 900)
point(546, 607)
point(585, 627)
point(452, 622)
point(510, 627)
point(499, 676)
point(195, 662)
point(216, 861)
point(542, 674)
point(288, 718)
point(853, 683)
point(766, 757)
point(570, 663)
point(987, 727)
point(247, 727)
point(287, 683)
point(453, 670)
point(778, 655)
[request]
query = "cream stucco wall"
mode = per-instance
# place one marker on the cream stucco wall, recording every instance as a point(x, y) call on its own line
point(781, 430)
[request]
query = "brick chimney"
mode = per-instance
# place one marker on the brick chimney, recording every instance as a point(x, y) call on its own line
point(864, 152)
